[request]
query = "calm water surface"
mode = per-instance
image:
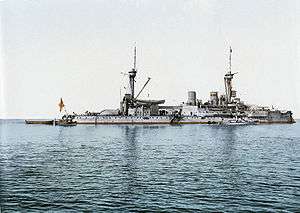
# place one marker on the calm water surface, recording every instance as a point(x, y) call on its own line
point(149, 168)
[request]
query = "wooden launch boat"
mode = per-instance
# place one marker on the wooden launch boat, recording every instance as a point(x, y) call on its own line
point(47, 122)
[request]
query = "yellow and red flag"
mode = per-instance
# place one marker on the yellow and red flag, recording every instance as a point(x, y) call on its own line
point(61, 105)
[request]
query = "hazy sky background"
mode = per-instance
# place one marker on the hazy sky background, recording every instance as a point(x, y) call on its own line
point(77, 49)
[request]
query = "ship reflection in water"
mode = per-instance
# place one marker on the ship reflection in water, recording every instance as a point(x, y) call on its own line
point(146, 168)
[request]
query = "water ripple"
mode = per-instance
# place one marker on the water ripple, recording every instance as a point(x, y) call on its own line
point(149, 168)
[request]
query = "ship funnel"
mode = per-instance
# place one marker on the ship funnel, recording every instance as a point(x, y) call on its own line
point(192, 100)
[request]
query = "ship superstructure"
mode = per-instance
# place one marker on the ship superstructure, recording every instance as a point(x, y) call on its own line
point(224, 108)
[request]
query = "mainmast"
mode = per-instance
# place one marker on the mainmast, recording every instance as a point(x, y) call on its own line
point(132, 74)
point(230, 60)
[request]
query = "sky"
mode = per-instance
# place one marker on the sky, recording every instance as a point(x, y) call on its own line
point(77, 50)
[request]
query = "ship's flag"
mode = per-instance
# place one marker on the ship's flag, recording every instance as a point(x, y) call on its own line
point(230, 50)
point(61, 105)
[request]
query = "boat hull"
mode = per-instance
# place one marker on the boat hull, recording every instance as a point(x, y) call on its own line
point(118, 120)
point(47, 122)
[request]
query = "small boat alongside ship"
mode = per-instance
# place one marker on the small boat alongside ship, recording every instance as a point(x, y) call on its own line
point(39, 121)
point(238, 122)
point(67, 120)
point(60, 122)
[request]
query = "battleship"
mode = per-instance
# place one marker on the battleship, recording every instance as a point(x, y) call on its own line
point(226, 108)
point(221, 108)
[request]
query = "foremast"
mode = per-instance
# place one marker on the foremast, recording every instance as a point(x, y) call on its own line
point(229, 93)
point(130, 104)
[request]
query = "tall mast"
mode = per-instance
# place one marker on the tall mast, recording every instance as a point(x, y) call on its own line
point(228, 80)
point(132, 74)
point(230, 60)
point(134, 62)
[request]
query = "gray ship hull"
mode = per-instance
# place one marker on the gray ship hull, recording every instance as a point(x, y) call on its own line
point(116, 120)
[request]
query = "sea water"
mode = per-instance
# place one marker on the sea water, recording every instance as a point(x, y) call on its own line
point(149, 168)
